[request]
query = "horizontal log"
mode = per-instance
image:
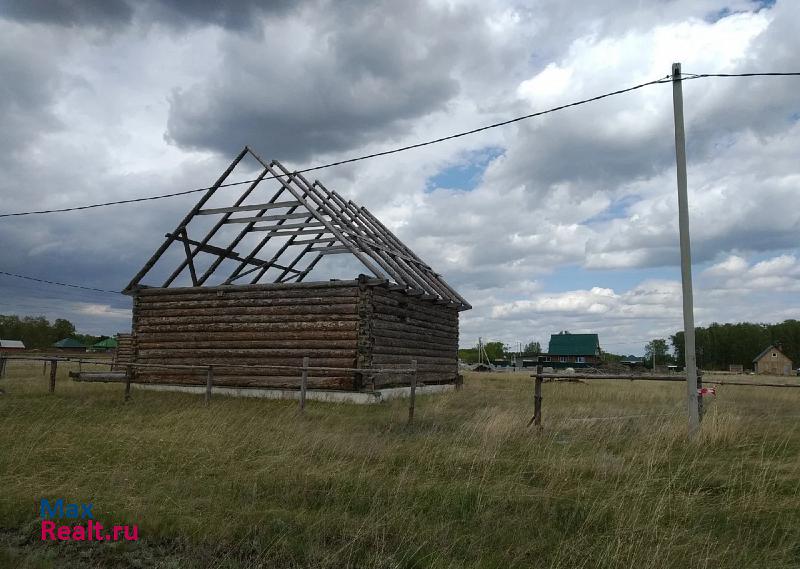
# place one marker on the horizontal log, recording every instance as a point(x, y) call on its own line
point(416, 322)
point(229, 337)
point(273, 325)
point(443, 312)
point(249, 361)
point(274, 382)
point(310, 322)
point(263, 353)
point(398, 380)
point(393, 324)
point(262, 343)
point(228, 302)
point(200, 295)
point(419, 314)
point(378, 359)
point(414, 340)
point(251, 287)
point(273, 310)
point(232, 370)
point(411, 352)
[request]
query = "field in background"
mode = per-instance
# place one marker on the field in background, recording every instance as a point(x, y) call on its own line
point(250, 483)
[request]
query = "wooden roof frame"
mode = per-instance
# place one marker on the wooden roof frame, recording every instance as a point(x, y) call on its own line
point(315, 222)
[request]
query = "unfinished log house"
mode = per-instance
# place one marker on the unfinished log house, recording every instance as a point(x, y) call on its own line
point(247, 297)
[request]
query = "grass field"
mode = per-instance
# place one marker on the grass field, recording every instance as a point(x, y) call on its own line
point(250, 483)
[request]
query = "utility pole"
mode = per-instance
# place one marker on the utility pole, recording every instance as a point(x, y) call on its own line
point(686, 254)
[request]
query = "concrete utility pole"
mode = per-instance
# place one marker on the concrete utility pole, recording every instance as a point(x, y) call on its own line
point(686, 254)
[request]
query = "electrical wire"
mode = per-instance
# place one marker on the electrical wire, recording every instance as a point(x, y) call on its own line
point(58, 283)
point(666, 79)
point(358, 158)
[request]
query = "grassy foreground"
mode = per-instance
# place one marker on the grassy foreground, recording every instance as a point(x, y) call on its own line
point(250, 483)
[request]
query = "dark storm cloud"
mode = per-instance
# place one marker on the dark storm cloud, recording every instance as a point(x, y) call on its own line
point(353, 78)
point(233, 14)
point(68, 12)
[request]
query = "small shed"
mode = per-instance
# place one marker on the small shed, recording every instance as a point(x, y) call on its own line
point(772, 361)
point(69, 345)
point(247, 292)
point(11, 346)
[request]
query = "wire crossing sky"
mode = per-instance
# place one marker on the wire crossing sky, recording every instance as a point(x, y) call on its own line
point(404, 148)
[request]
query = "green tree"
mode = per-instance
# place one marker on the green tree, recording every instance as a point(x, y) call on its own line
point(532, 349)
point(657, 348)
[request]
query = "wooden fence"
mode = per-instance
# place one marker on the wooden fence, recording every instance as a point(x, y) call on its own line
point(127, 375)
point(540, 376)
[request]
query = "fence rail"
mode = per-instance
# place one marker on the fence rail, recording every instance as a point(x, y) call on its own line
point(206, 368)
point(540, 376)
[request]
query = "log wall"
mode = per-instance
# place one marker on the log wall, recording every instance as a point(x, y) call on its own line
point(398, 328)
point(124, 351)
point(345, 324)
point(248, 325)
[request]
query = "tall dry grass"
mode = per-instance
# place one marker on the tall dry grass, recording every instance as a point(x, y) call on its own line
point(250, 483)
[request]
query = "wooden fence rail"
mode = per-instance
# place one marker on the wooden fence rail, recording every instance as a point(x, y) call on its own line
point(127, 377)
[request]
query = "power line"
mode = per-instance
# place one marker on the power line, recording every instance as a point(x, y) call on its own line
point(58, 283)
point(687, 76)
point(359, 158)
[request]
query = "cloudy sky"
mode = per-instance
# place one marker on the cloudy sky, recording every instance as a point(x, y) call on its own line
point(568, 221)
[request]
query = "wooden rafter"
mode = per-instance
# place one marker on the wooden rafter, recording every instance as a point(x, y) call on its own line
point(306, 221)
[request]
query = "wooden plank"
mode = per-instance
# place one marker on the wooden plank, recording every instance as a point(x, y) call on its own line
point(259, 219)
point(256, 207)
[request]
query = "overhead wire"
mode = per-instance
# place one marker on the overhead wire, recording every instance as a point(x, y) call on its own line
point(665, 79)
point(356, 159)
point(45, 281)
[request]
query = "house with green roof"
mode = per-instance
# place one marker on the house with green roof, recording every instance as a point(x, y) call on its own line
point(69, 345)
point(572, 350)
point(107, 345)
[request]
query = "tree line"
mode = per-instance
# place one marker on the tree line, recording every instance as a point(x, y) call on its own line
point(38, 332)
point(498, 351)
point(721, 345)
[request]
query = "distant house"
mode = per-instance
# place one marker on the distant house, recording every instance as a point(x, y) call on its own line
point(69, 345)
point(572, 350)
point(632, 361)
point(772, 361)
point(11, 345)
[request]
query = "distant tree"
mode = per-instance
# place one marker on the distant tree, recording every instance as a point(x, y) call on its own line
point(532, 349)
point(468, 355)
point(63, 329)
point(495, 350)
point(657, 347)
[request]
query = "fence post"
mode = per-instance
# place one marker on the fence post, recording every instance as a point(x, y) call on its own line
point(2, 366)
point(128, 377)
point(413, 397)
point(53, 370)
point(700, 409)
point(209, 383)
point(44, 368)
point(303, 385)
point(537, 397)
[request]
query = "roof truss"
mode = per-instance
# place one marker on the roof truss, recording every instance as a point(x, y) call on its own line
point(301, 223)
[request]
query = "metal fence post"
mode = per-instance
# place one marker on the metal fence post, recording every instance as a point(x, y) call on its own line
point(128, 377)
point(412, 399)
point(53, 370)
point(303, 385)
point(209, 384)
point(2, 366)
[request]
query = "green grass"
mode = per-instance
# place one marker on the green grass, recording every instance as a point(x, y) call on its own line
point(251, 483)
